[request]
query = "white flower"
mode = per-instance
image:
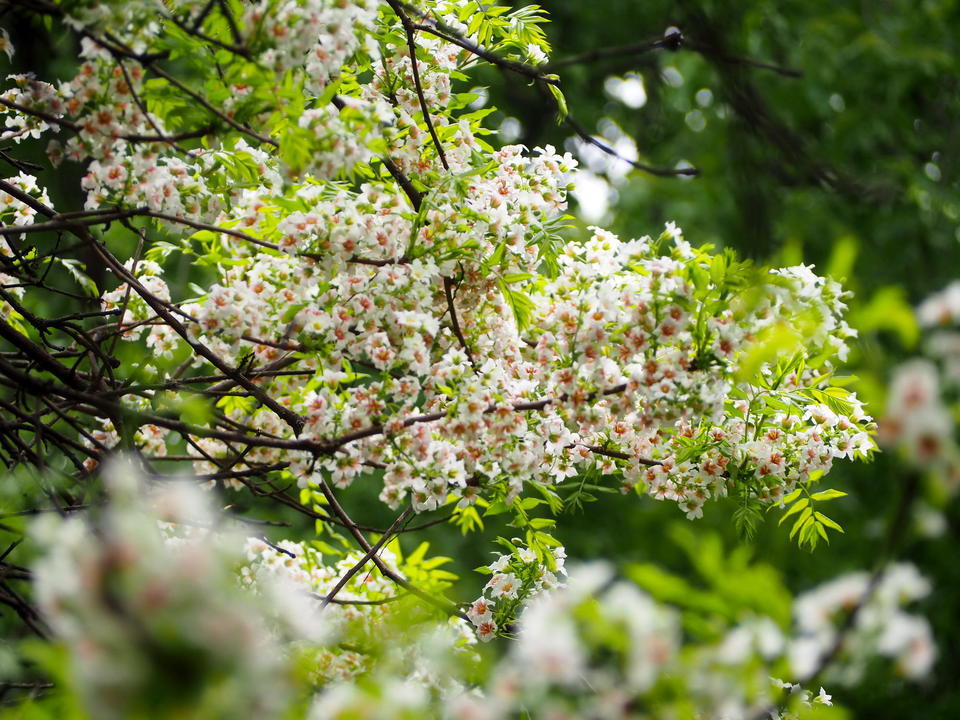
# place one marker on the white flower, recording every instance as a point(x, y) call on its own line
point(535, 54)
point(500, 564)
point(481, 611)
point(914, 387)
point(942, 308)
point(5, 44)
point(504, 585)
point(487, 630)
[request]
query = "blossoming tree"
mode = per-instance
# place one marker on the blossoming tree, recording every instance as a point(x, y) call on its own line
point(303, 262)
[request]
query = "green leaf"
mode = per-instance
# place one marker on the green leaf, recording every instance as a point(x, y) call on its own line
point(890, 310)
point(842, 257)
point(828, 495)
point(772, 342)
point(746, 518)
point(807, 532)
point(832, 524)
point(718, 269)
point(73, 267)
point(795, 508)
point(496, 508)
point(507, 544)
point(559, 99)
point(237, 403)
point(435, 562)
point(805, 517)
point(519, 302)
point(417, 555)
point(195, 411)
point(541, 523)
point(291, 312)
point(467, 519)
point(790, 497)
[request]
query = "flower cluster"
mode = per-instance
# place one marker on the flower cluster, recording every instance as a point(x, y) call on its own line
point(136, 314)
point(517, 578)
point(917, 418)
point(326, 33)
point(619, 342)
point(38, 100)
point(154, 579)
point(444, 332)
point(942, 308)
point(5, 45)
point(17, 212)
point(132, 18)
point(600, 647)
point(586, 650)
point(560, 649)
point(9, 284)
point(360, 617)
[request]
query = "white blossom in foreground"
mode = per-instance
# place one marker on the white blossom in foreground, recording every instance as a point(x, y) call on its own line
point(153, 619)
point(920, 418)
point(881, 627)
point(153, 585)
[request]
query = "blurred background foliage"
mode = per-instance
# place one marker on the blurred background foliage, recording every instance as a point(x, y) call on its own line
point(824, 132)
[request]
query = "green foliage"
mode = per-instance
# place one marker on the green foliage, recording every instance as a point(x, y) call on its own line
point(810, 525)
point(730, 583)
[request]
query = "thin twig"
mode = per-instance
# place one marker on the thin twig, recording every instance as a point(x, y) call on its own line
point(409, 30)
point(383, 601)
point(366, 558)
point(725, 57)
point(652, 170)
point(443, 604)
point(671, 40)
point(448, 291)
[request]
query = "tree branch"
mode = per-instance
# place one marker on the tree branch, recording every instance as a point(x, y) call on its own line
point(410, 29)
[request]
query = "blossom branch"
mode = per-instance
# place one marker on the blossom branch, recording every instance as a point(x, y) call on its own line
point(445, 32)
point(448, 292)
point(77, 128)
point(292, 419)
point(410, 30)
